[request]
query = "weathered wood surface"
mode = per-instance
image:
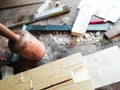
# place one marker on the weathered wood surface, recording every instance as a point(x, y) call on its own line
point(16, 3)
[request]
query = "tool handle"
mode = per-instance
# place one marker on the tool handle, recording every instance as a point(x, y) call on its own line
point(97, 22)
point(4, 31)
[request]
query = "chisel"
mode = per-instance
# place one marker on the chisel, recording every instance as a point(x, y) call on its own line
point(42, 15)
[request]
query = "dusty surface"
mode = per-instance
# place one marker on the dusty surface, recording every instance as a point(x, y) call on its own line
point(58, 44)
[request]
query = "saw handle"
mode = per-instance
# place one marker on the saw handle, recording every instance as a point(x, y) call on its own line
point(4, 31)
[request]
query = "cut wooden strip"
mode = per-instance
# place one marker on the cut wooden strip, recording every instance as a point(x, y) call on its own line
point(81, 23)
point(104, 66)
point(79, 73)
point(14, 3)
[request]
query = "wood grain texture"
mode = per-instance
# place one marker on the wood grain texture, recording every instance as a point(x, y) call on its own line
point(110, 34)
point(14, 3)
point(23, 43)
point(104, 66)
point(82, 20)
point(43, 6)
point(70, 85)
point(49, 75)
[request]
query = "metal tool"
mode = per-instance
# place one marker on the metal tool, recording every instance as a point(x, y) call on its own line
point(92, 27)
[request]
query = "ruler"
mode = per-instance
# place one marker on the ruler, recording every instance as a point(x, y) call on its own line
point(92, 27)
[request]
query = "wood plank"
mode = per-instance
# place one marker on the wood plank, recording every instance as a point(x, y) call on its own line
point(70, 85)
point(83, 83)
point(81, 23)
point(114, 32)
point(110, 34)
point(104, 66)
point(79, 73)
point(0, 84)
point(14, 3)
point(44, 6)
point(46, 75)
point(7, 71)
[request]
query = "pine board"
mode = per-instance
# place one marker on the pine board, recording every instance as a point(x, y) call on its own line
point(82, 20)
point(48, 75)
point(104, 66)
point(70, 85)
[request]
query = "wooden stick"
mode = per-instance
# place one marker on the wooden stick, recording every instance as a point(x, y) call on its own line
point(8, 33)
point(82, 21)
point(23, 43)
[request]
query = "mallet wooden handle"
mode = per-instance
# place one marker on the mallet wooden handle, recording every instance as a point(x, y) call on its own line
point(4, 31)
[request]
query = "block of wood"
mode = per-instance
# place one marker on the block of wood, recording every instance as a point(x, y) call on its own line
point(111, 34)
point(104, 66)
point(82, 20)
point(57, 75)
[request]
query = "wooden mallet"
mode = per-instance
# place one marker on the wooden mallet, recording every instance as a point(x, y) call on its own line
point(23, 43)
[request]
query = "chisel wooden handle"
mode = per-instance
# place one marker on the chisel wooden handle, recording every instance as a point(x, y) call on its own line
point(4, 31)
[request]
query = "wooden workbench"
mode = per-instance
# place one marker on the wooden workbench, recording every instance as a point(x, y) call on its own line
point(66, 44)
